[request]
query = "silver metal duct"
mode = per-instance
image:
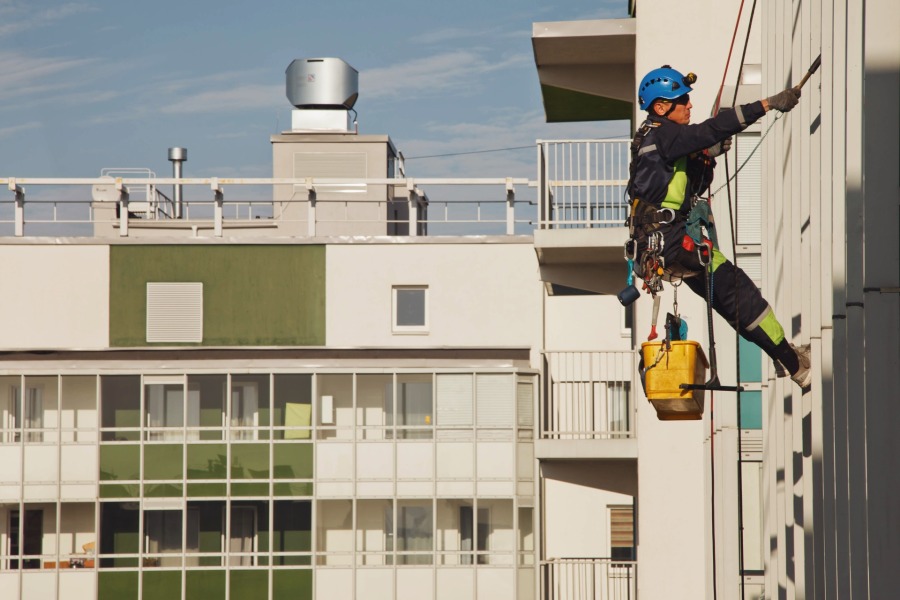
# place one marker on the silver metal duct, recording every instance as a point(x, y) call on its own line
point(322, 83)
point(177, 156)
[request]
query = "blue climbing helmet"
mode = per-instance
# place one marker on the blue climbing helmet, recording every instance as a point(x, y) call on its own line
point(665, 83)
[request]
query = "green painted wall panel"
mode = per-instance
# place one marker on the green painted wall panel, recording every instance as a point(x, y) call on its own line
point(206, 461)
point(117, 586)
point(249, 585)
point(562, 105)
point(293, 461)
point(292, 584)
point(252, 295)
point(163, 461)
point(120, 462)
point(204, 585)
point(161, 585)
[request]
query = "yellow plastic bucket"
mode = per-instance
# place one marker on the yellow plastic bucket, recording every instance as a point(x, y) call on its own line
point(683, 363)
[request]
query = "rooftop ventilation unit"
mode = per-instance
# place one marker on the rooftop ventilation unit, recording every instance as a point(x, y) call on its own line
point(322, 84)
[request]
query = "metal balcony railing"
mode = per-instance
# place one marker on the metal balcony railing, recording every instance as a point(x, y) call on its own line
point(581, 183)
point(588, 395)
point(588, 579)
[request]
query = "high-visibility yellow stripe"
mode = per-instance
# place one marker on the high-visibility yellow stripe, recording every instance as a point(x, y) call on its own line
point(677, 186)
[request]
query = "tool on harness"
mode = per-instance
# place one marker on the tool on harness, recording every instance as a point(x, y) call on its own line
point(701, 218)
point(628, 295)
point(653, 335)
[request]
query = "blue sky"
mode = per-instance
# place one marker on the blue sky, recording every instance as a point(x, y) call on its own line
point(93, 84)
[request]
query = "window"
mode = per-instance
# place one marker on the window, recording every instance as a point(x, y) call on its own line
point(410, 308)
point(468, 540)
point(415, 406)
point(28, 415)
point(162, 535)
point(414, 532)
point(621, 532)
point(165, 410)
point(618, 394)
point(243, 535)
point(32, 531)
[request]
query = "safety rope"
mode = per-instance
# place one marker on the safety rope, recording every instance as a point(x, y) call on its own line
point(746, 160)
point(712, 445)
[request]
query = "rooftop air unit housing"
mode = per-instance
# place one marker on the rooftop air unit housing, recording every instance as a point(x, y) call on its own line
point(322, 91)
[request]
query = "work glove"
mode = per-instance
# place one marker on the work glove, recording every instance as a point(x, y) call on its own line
point(784, 101)
point(719, 148)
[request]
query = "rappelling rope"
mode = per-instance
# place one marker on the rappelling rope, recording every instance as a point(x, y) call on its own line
point(712, 445)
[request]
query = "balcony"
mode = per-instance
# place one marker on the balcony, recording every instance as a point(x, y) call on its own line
point(589, 406)
point(583, 206)
point(588, 579)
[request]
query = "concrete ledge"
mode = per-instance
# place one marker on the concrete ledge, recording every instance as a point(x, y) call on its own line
point(586, 449)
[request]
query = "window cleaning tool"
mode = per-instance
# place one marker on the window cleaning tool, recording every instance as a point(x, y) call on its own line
point(812, 69)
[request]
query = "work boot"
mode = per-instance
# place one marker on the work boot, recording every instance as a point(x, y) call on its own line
point(803, 376)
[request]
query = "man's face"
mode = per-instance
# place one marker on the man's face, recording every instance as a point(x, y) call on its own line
point(680, 109)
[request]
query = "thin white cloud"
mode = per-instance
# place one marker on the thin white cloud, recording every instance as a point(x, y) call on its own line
point(14, 129)
point(244, 97)
point(428, 75)
point(17, 69)
point(24, 16)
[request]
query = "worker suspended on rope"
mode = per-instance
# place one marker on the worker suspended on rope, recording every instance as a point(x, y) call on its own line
point(671, 225)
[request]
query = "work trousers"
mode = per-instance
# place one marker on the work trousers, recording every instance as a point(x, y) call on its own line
point(735, 297)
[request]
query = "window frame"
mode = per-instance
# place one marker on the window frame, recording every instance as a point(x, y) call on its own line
point(396, 328)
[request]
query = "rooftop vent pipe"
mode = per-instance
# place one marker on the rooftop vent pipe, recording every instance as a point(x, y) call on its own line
point(177, 156)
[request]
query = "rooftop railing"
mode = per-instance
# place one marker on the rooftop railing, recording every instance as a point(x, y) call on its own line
point(579, 184)
point(127, 207)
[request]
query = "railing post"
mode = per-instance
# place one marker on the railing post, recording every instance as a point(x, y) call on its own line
point(123, 207)
point(20, 207)
point(413, 216)
point(510, 207)
point(311, 208)
point(218, 206)
point(587, 184)
point(542, 197)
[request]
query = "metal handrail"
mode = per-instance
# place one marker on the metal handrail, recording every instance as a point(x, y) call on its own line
point(588, 579)
point(589, 395)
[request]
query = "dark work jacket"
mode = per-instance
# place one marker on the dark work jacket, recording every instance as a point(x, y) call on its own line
point(656, 157)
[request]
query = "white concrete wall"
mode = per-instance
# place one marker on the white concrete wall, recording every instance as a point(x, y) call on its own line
point(674, 516)
point(585, 323)
point(576, 519)
point(479, 294)
point(54, 296)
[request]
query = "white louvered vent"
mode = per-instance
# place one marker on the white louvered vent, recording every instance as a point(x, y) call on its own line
point(334, 165)
point(175, 312)
point(752, 266)
point(495, 400)
point(525, 403)
point(454, 400)
point(751, 444)
point(749, 182)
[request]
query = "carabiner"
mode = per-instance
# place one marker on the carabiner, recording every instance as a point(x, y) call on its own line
point(671, 218)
